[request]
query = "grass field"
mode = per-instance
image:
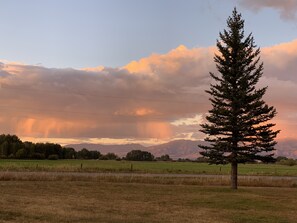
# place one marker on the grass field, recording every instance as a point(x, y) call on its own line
point(144, 167)
point(87, 201)
point(76, 196)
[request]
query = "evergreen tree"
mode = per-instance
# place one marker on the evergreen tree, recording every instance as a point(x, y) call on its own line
point(238, 127)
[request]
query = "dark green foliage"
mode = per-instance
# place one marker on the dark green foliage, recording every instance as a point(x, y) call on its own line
point(83, 154)
point(9, 145)
point(201, 160)
point(53, 157)
point(109, 156)
point(279, 158)
point(238, 127)
point(21, 154)
point(37, 156)
point(138, 155)
point(165, 157)
point(69, 153)
point(12, 147)
point(95, 155)
point(86, 154)
point(287, 162)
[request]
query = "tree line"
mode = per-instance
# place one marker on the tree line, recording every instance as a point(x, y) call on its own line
point(11, 147)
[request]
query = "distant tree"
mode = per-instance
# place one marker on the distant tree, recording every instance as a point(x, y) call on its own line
point(9, 145)
point(138, 155)
point(86, 154)
point(40, 151)
point(238, 125)
point(21, 154)
point(184, 160)
point(50, 149)
point(165, 157)
point(38, 156)
point(83, 154)
point(95, 155)
point(288, 162)
point(4, 149)
point(30, 148)
point(69, 153)
point(109, 156)
point(202, 160)
point(53, 157)
point(279, 158)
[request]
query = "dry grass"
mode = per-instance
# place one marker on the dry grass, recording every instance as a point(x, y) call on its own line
point(93, 201)
point(144, 167)
point(220, 180)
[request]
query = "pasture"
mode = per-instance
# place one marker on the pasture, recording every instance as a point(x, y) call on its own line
point(99, 191)
point(144, 167)
point(91, 201)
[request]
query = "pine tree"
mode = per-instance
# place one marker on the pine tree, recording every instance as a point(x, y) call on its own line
point(238, 128)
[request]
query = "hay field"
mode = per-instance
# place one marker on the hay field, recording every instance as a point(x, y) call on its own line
point(91, 201)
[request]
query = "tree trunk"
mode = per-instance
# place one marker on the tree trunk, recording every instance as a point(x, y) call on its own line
point(234, 175)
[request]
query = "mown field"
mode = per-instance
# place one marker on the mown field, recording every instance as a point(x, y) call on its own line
point(89, 201)
point(144, 167)
point(64, 191)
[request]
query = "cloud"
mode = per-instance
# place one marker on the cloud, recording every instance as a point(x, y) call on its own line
point(160, 97)
point(280, 60)
point(93, 69)
point(196, 121)
point(287, 8)
point(137, 101)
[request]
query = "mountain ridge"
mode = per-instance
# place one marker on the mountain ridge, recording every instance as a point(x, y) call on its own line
point(185, 149)
point(175, 149)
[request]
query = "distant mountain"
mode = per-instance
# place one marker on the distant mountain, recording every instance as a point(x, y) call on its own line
point(287, 148)
point(178, 148)
point(120, 150)
point(175, 149)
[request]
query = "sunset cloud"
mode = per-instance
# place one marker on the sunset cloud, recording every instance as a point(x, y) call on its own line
point(287, 8)
point(105, 102)
point(160, 97)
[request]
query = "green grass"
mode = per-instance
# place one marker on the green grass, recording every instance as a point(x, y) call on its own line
point(88, 201)
point(145, 167)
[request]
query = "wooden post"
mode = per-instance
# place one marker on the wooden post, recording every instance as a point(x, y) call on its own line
point(234, 167)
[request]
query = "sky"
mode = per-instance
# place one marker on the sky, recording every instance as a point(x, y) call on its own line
point(133, 71)
point(89, 33)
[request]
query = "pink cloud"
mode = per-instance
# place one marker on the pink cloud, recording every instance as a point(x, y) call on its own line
point(138, 101)
point(287, 8)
